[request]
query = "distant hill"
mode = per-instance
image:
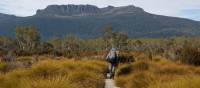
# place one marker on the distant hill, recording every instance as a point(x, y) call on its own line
point(87, 21)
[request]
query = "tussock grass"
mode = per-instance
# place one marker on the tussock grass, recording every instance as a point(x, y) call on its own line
point(137, 80)
point(57, 74)
point(86, 79)
point(124, 69)
point(46, 68)
point(157, 73)
point(185, 82)
point(140, 80)
point(53, 82)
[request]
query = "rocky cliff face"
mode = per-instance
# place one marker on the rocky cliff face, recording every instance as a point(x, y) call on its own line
point(121, 10)
point(85, 10)
point(68, 10)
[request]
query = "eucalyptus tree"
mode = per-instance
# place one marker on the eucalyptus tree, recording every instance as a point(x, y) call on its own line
point(115, 39)
point(28, 39)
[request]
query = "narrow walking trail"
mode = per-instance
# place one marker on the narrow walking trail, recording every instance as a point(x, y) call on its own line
point(109, 83)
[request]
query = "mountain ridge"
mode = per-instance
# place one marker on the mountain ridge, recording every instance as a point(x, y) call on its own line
point(85, 10)
point(88, 21)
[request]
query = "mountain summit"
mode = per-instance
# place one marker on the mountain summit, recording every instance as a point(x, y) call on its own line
point(68, 10)
point(88, 21)
point(85, 10)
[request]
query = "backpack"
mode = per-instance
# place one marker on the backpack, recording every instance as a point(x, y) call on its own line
point(112, 57)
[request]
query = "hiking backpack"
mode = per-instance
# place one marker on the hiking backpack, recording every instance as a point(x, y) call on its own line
point(112, 57)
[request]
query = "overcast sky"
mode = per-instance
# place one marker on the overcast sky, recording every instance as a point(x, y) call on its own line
point(179, 8)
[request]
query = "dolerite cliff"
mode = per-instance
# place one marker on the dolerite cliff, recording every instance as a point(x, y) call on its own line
point(86, 10)
point(87, 21)
point(68, 10)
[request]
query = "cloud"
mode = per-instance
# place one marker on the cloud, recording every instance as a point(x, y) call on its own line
point(191, 13)
point(29, 7)
point(168, 7)
point(24, 7)
point(161, 7)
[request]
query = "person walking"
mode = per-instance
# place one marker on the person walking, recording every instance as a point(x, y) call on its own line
point(112, 58)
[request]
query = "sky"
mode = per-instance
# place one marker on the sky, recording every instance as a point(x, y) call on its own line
point(177, 8)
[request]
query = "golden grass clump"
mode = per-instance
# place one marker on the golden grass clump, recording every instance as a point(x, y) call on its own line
point(86, 79)
point(137, 80)
point(140, 80)
point(138, 66)
point(124, 69)
point(146, 73)
point(185, 82)
point(46, 68)
point(52, 82)
point(12, 79)
point(121, 81)
point(57, 74)
point(172, 70)
point(141, 66)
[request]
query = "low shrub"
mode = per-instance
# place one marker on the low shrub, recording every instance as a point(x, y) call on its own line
point(26, 61)
point(2, 67)
point(189, 55)
point(10, 66)
point(126, 57)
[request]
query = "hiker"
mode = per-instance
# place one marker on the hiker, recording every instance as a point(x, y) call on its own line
point(112, 58)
